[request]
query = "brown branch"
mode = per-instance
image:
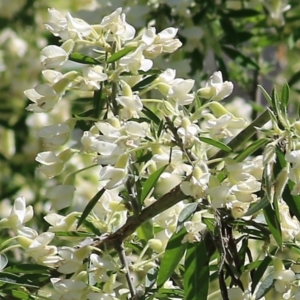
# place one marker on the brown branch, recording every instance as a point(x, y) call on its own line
point(135, 221)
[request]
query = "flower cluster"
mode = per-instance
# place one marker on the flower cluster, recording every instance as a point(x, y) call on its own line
point(155, 148)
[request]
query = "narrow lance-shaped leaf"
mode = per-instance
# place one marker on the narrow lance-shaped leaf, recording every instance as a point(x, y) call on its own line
point(273, 223)
point(150, 182)
point(251, 149)
point(185, 214)
point(215, 143)
point(259, 272)
point(173, 254)
point(83, 59)
point(151, 115)
point(117, 55)
point(293, 202)
point(196, 275)
point(90, 206)
point(143, 83)
point(145, 232)
point(284, 97)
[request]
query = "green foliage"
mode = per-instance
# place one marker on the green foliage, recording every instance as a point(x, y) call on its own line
point(236, 37)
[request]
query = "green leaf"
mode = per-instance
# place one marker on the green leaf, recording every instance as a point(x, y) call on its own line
point(167, 293)
point(117, 55)
point(150, 182)
point(145, 232)
point(215, 144)
point(273, 222)
point(240, 58)
point(294, 79)
point(151, 115)
point(265, 287)
point(21, 295)
point(144, 83)
point(28, 269)
point(275, 102)
point(241, 13)
point(185, 214)
point(140, 72)
point(284, 97)
point(173, 254)
point(83, 59)
point(293, 247)
point(293, 202)
point(14, 279)
point(259, 273)
point(74, 233)
point(90, 206)
point(251, 149)
point(263, 202)
point(267, 96)
point(150, 279)
point(196, 275)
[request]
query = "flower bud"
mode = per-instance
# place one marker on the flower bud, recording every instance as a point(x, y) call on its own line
point(218, 109)
point(156, 245)
point(24, 241)
point(280, 182)
point(126, 89)
point(206, 92)
point(269, 154)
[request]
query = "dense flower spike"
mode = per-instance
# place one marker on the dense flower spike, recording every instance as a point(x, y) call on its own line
point(152, 177)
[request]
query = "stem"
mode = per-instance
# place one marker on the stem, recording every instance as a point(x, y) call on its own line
point(10, 248)
point(97, 101)
point(120, 249)
point(8, 241)
point(135, 221)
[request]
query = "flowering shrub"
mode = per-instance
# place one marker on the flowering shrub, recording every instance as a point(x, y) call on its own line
point(163, 193)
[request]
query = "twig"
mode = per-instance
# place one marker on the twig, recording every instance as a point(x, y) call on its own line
point(120, 249)
point(135, 221)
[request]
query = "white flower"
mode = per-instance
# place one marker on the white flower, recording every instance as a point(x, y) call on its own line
point(62, 223)
point(188, 132)
point(276, 9)
point(135, 61)
point(100, 266)
point(290, 227)
point(161, 42)
point(77, 28)
point(115, 23)
point(215, 88)
point(55, 135)
point(194, 228)
point(44, 98)
point(283, 278)
point(72, 259)
point(91, 78)
point(111, 177)
point(108, 152)
point(19, 215)
point(54, 56)
point(66, 289)
point(179, 91)
point(198, 184)
point(53, 164)
point(61, 196)
point(38, 248)
point(67, 27)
